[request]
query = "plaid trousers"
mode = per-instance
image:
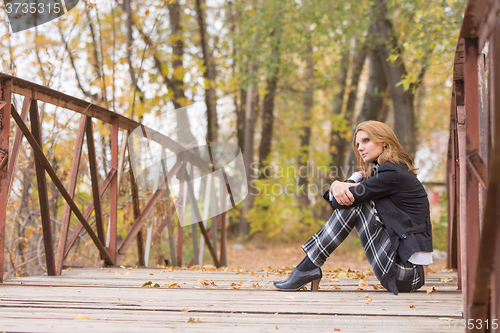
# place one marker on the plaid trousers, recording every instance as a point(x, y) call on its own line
point(374, 239)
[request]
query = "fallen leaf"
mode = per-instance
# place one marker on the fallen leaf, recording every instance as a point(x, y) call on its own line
point(146, 284)
point(412, 306)
point(368, 301)
point(334, 287)
point(336, 329)
point(444, 279)
point(80, 317)
point(193, 320)
point(431, 290)
point(185, 310)
point(362, 283)
point(202, 282)
point(174, 285)
point(120, 300)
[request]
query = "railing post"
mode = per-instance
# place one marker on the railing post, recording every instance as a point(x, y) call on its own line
point(494, 175)
point(460, 178)
point(113, 192)
point(451, 191)
point(5, 94)
point(471, 234)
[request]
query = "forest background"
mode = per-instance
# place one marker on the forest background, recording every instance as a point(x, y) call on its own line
point(287, 80)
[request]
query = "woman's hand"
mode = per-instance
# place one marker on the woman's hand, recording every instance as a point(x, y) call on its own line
point(341, 193)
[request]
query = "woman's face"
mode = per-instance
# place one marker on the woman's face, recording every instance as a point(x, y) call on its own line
point(368, 150)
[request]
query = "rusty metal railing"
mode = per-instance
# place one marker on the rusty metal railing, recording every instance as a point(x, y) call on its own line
point(474, 166)
point(110, 251)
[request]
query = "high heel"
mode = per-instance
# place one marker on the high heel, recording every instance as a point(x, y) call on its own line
point(315, 285)
point(298, 279)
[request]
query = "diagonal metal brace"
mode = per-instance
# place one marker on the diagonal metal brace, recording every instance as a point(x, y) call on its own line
point(478, 167)
point(4, 155)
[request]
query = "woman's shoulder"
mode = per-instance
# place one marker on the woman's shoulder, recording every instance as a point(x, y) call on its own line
point(402, 170)
point(392, 166)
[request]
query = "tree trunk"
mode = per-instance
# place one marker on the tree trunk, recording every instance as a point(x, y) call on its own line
point(337, 150)
point(174, 84)
point(358, 62)
point(373, 107)
point(240, 120)
point(267, 125)
point(404, 117)
point(184, 135)
point(238, 107)
point(97, 63)
point(209, 74)
point(130, 43)
point(268, 112)
point(251, 112)
point(305, 135)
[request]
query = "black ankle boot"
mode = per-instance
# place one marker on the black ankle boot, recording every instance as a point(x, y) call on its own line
point(298, 279)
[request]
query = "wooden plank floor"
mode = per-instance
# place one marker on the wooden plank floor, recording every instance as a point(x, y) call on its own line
point(198, 300)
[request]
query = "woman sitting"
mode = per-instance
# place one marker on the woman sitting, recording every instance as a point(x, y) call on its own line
point(389, 208)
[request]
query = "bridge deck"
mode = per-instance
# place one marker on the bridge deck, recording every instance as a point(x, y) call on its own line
point(114, 300)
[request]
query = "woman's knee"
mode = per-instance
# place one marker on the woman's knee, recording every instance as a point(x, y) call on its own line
point(414, 283)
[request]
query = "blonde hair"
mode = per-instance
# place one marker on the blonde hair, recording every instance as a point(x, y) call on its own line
point(393, 152)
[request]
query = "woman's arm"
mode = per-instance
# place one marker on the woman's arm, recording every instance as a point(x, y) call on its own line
point(355, 178)
point(384, 183)
point(340, 192)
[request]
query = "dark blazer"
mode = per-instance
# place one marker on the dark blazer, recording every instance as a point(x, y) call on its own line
point(402, 205)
